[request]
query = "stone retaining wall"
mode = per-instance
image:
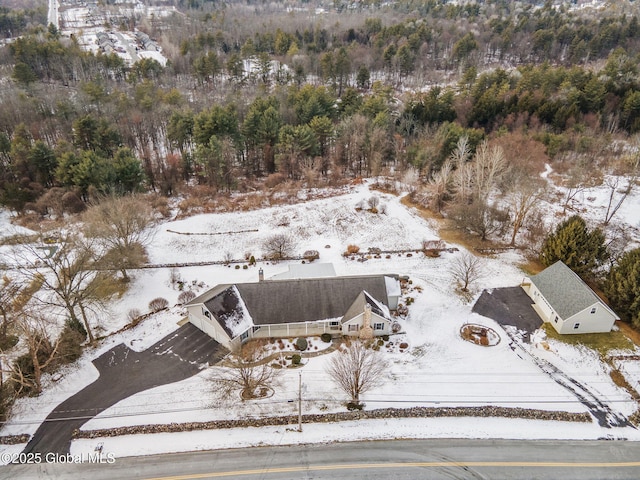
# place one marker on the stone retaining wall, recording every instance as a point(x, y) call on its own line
point(14, 439)
point(416, 412)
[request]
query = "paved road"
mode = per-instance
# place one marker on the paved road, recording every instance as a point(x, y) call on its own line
point(399, 459)
point(124, 372)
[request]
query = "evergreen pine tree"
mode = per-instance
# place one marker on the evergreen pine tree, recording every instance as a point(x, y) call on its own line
point(622, 287)
point(583, 251)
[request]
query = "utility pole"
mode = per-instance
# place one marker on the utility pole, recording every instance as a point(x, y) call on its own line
point(300, 401)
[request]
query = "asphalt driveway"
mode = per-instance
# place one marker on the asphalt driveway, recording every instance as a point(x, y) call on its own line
point(509, 306)
point(124, 372)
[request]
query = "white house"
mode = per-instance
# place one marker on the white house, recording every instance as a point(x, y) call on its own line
point(561, 298)
point(354, 305)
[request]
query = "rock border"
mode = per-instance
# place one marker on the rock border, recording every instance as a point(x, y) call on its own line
point(416, 412)
point(14, 439)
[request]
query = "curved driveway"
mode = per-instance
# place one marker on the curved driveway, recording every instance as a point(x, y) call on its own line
point(123, 373)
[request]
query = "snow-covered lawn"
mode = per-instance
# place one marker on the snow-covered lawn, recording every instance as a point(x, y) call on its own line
point(438, 368)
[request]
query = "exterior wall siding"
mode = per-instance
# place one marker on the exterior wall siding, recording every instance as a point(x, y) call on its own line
point(357, 320)
point(208, 326)
point(599, 322)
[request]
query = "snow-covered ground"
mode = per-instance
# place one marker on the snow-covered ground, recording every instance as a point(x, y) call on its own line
point(437, 369)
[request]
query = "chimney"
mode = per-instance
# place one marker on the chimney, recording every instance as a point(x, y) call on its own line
point(366, 332)
point(260, 275)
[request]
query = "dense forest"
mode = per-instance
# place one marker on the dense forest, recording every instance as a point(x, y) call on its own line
point(240, 99)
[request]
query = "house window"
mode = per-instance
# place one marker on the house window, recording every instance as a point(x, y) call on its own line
point(576, 326)
point(354, 327)
point(593, 309)
point(206, 313)
point(555, 320)
point(244, 335)
point(334, 324)
point(378, 326)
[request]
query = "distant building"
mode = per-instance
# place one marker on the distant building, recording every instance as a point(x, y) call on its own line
point(561, 298)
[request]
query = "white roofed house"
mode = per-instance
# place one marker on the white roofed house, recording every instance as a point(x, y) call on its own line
point(355, 306)
point(561, 298)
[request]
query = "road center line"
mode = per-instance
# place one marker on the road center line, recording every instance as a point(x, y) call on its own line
point(365, 466)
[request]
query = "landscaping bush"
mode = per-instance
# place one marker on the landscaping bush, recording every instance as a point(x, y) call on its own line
point(158, 304)
point(351, 406)
point(326, 337)
point(302, 344)
point(244, 267)
point(186, 297)
point(75, 325)
point(380, 342)
point(351, 249)
point(237, 267)
point(385, 338)
point(69, 346)
point(296, 359)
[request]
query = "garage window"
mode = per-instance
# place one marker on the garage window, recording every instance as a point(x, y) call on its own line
point(354, 327)
point(378, 326)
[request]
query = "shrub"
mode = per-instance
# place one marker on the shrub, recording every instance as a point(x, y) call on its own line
point(296, 359)
point(351, 406)
point(237, 267)
point(385, 338)
point(301, 344)
point(244, 267)
point(326, 337)
point(133, 314)
point(404, 345)
point(252, 260)
point(380, 342)
point(158, 304)
point(69, 346)
point(75, 325)
point(351, 249)
point(274, 179)
point(186, 297)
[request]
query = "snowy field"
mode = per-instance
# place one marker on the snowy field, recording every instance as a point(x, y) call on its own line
point(437, 369)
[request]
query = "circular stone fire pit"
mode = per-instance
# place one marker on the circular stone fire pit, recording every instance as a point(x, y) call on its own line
point(480, 335)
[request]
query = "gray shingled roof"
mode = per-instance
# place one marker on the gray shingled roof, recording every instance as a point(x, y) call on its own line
point(284, 301)
point(564, 290)
point(357, 307)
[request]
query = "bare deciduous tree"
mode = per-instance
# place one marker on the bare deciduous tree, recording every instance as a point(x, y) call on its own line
point(356, 369)
point(439, 186)
point(248, 375)
point(466, 269)
point(489, 165)
point(122, 225)
point(579, 178)
point(481, 218)
point(63, 275)
point(279, 246)
point(33, 328)
point(524, 195)
point(9, 289)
